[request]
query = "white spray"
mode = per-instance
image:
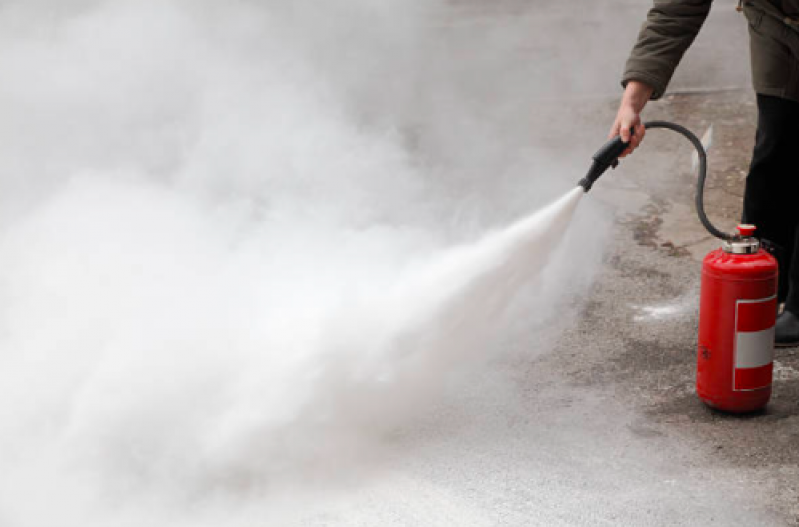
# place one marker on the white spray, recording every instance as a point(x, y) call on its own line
point(184, 405)
point(213, 286)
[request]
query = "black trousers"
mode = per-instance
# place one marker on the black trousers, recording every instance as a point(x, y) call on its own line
point(771, 198)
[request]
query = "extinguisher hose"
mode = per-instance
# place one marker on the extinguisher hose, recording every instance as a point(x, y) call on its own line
point(701, 176)
point(608, 157)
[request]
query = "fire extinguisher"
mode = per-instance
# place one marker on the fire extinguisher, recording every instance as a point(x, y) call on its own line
point(738, 304)
point(737, 313)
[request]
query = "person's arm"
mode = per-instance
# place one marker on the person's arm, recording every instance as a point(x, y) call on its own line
point(670, 29)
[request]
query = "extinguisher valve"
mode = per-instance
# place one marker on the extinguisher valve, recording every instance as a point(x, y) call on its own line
point(746, 230)
point(744, 243)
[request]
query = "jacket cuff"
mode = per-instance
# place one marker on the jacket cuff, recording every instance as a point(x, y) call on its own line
point(658, 85)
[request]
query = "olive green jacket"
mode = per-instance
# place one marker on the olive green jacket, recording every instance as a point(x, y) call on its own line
point(672, 25)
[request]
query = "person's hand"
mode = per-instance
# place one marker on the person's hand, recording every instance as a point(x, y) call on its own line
point(628, 119)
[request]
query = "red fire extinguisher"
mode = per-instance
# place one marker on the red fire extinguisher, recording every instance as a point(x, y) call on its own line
point(737, 313)
point(738, 306)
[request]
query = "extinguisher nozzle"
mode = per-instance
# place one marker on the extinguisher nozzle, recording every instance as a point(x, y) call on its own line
point(605, 158)
point(597, 169)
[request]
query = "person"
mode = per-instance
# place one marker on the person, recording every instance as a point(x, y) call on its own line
point(771, 194)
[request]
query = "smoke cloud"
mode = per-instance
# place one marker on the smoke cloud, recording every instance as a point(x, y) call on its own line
point(210, 215)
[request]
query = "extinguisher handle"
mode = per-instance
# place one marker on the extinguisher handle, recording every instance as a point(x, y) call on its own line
point(608, 155)
point(605, 158)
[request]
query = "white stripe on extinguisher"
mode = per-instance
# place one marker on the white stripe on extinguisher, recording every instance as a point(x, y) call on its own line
point(754, 344)
point(754, 348)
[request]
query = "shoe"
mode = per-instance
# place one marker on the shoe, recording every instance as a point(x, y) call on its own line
point(787, 330)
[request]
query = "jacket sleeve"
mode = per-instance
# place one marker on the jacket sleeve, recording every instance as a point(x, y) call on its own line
point(670, 29)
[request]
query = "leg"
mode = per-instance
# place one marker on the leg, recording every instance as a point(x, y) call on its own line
point(771, 198)
point(787, 328)
point(792, 300)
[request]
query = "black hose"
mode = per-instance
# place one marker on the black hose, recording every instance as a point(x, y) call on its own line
point(608, 156)
point(702, 176)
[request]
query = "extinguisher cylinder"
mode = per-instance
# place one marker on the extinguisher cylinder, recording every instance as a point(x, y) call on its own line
point(737, 314)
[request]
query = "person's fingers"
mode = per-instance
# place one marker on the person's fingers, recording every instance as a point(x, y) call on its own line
point(637, 135)
point(614, 130)
point(624, 132)
point(636, 139)
point(640, 131)
point(628, 126)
